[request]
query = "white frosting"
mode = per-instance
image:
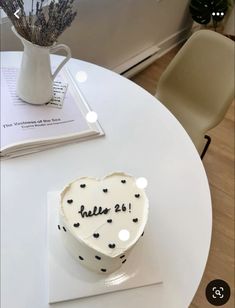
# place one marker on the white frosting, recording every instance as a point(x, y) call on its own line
point(117, 212)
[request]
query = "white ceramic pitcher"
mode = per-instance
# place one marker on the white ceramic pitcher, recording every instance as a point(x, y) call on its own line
point(35, 80)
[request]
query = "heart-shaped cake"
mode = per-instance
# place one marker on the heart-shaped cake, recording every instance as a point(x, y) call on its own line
point(101, 220)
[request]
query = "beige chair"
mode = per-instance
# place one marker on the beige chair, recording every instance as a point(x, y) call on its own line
point(198, 85)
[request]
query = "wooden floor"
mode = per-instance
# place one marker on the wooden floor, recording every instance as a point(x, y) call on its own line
point(219, 165)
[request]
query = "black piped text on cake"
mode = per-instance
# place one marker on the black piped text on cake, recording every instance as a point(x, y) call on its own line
point(123, 261)
point(112, 246)
point(81, 258)
point(70, 201)
point(105, 190)
point(76, 225)
point(98, 258)
point(123, 181)
point(58, 227)
point(137, 195)
point(96, 235)
point(83, 185)
point(109, 221)
point(142, 234)
point(122, 256)
point(64, 229)
point(103, 269)
point(135, 220)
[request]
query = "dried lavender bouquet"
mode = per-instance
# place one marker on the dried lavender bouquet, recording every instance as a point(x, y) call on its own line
point(44, 24)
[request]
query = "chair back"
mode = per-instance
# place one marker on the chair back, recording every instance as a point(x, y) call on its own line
point(201, 77)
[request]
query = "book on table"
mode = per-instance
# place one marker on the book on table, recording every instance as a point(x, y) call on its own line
point(29, 128)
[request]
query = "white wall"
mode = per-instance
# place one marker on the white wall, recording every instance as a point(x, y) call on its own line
point(229, 28)
point(110, 32)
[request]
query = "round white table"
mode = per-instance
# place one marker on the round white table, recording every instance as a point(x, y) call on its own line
point(142, 138)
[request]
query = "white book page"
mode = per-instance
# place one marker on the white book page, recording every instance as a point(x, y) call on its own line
point(22, 123)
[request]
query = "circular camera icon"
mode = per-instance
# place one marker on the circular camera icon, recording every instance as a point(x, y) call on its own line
point(218, 292)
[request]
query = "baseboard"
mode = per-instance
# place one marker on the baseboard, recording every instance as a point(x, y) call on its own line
point(121, 69)
point(139, 62)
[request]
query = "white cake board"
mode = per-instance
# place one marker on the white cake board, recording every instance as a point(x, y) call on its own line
point(69, 280)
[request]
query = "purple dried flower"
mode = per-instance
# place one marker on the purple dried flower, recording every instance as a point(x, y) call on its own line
point(46, 25)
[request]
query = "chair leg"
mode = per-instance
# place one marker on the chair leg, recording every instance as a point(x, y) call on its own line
point(208, 138)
